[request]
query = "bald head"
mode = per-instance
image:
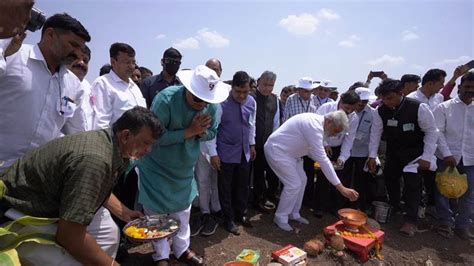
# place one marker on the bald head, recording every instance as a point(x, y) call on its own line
point(215, 65)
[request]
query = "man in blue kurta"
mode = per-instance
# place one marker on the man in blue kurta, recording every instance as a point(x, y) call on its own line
point(167, 184)
point(233, 149)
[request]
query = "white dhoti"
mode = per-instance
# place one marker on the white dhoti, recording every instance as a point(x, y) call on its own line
point(181, 240)
point(102, 228)
point(207, 183)
point(291, 174)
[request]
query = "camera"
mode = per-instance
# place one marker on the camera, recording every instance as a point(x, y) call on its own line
point(37, 20)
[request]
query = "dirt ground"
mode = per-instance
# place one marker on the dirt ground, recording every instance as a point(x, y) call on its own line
point(426, 248)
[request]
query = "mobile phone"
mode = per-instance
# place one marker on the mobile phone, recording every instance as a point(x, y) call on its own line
point(377, 74)
point(37, 20)
point(470, 64)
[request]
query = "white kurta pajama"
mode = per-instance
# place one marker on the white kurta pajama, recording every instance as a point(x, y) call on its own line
point(301, 135)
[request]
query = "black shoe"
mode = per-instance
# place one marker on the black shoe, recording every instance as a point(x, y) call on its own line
point(209, 225)
point(244, 220)
point(196, 225)
point(231, 227)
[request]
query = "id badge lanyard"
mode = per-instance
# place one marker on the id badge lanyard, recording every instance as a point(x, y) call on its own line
point(393, 122)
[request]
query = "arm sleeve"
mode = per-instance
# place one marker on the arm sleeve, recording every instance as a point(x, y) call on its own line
point(145, 89)
point(375, 134)
point(314, 136)
point(103, 104)
point(3, 63)
point(349, 138)
point(161, 108)
point(211, 144)
point(447, 90)
point(253, 120)
point(440, 119)
point(211, 132)
point(288, 107)
point(427, 124)
point(276, 118)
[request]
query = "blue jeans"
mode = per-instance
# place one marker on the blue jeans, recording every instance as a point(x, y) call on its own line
point(465, 203)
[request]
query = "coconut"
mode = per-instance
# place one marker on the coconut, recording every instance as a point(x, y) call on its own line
point(313, 247)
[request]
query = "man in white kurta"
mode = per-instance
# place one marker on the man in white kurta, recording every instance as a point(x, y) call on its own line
point(302, 135)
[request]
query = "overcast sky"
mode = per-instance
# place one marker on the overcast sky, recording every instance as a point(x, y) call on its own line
point(334, 40)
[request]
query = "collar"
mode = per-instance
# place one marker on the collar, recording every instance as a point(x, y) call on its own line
point(159, 77)
point(36, 54)
point(116, 78)
point(421, 94)
point(311, 97)
point(458, 100)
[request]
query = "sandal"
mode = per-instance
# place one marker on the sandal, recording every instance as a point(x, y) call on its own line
point(190, 257)
point(408, 230)
point(445, 231)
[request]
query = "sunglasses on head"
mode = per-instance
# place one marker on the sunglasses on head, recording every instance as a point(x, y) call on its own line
point(198, 100)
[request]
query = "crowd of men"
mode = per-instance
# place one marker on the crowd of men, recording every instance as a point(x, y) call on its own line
point(132, 143)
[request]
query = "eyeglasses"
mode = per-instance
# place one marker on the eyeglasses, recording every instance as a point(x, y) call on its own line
point(198, 100)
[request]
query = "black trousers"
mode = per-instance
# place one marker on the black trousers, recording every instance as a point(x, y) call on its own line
point(233, 185)
point(326, 197)
point(393, 171)
point(361, 181)
point(308, 166)
point(263, 175)
point(428, 188)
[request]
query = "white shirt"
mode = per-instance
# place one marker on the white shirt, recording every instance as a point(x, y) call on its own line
point(360, 147)
point(343, 139)
point(210, 147)
point(455, 122)
point(86, 109)
point(30, 103)
point(432, 102)
point(302, 135)
point(425, 121)
point(112, 97)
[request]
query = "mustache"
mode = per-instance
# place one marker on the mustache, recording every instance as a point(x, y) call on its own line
point(80, 67)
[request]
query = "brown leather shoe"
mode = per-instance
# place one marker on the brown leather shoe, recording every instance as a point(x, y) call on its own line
point(190, 257)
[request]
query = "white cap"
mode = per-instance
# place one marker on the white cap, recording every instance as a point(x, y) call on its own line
point(364, 94)
point(306, 83)
point(327, 84)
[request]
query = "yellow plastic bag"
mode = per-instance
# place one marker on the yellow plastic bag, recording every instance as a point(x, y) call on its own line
point(451, 184)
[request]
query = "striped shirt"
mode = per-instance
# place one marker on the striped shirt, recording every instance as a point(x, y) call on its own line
point(69, 178)
point(296, 105)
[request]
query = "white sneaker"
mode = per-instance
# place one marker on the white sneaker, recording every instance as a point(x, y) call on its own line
point(283, 226)
point(300, 220)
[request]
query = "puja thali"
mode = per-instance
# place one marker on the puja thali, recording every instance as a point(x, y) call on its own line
point(149, 228)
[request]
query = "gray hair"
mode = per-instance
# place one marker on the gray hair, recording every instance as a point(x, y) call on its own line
point(268, 75)
point(339, 119)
